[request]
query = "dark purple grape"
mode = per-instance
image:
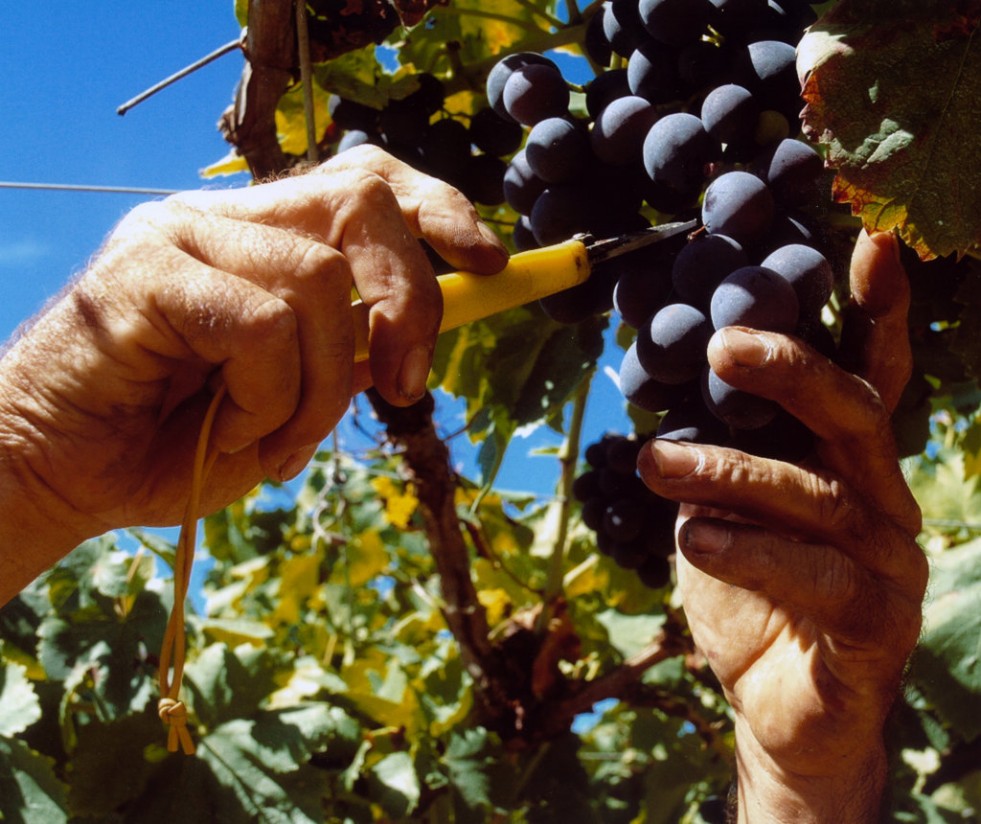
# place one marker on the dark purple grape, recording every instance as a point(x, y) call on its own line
point(808, 271)
point(522, 236)
point(642, 390)
point(494, 135)
point(620, 34)
point(738, 409)
point(502, 70)
point(446, 147)
point(624, 519)
point(351, 115)
point(730, 114)
point(655, 572)
point(739, 205)
point(792, 170)
point(652, 73)
point(641, 290)
point(703, 264)
point(690, 420)
point(618, 133)
point(557, 149)
point(671, 347)
point(595, 42)
point(560, 212)
point(586, 486)
point(675, 22)
point(756, 297)
point(677, 150)
point(482, 180)
point(521, 185)
point(535, 92)
point(604, 89)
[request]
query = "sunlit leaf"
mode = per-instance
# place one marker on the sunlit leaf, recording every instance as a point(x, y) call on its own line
point(19, 705)
point(905, 150)
point(29, 790)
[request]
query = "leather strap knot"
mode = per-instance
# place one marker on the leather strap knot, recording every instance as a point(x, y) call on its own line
point(174, 714)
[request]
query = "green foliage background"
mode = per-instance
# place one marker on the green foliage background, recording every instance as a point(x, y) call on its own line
point(325, 681)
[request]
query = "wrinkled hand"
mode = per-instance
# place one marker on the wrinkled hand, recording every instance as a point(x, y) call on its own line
point(103, 398)
point(803, 584)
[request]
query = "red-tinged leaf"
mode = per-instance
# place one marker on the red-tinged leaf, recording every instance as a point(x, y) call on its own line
point(894, 91)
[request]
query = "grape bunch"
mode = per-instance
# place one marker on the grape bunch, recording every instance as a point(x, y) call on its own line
point(703, 120)
point(633, 525)
point(416, 129)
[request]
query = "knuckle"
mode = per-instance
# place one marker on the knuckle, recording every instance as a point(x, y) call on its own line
point(273, 323)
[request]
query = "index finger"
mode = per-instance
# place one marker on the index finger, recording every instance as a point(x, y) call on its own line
point(434, 210)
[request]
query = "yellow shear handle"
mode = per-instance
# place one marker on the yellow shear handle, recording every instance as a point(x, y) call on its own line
point(468, 297)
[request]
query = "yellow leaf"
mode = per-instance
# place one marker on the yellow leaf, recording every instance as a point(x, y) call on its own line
point(366, 558)
point(497, 604)
point(299, 580)
point(400, 505)
point(231, 164)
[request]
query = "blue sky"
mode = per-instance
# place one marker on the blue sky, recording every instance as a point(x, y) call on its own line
point(66, 69)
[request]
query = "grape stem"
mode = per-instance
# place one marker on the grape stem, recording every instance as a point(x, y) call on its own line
point(569, 459)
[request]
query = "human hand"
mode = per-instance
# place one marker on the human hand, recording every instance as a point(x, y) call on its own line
point(803, 585)
point(102, 399)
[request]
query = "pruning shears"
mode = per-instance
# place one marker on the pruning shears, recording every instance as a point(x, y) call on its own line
point(528, 276)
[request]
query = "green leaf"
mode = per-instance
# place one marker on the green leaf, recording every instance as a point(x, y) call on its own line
point(630, 633)
point(29, 791)
point(947, 663)
point(226, 684)
point(110, 765)
point(905, 150)
point(469, 762)
point(394, 784)
point(19, 704)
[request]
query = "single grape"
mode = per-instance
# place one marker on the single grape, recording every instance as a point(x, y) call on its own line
point(739, 205)
point(624, 519)
point(560, 212)
point(354, 137)
point(593, 297)
point(808, 271)
point(756, 297)
point(675, 22)
point(671, 346)
point(690, 420)
point(676, 151)
point(621, 455)
point(604, 89)
point(738, 409)
point(642, 390)
point(792, 170)
point(641, 290)
point(502, 70)
point(703, 264)
point(482, 179)
point(593, 512)
point(494, 135)
point(594, 42)
point(655, 572)
point(446, 147)
point(535, 92)
point(730, 114)
point(652, 73)
point(618, 133)
point(521, 185)
point(586, 486)
point(522, 236)
point(557, 149)
point(620, 34)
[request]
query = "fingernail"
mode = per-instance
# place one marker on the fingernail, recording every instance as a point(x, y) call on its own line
point(745, 348)
point(706, 537)
point(414, 373)
point(674, 460)
point(297, 462)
